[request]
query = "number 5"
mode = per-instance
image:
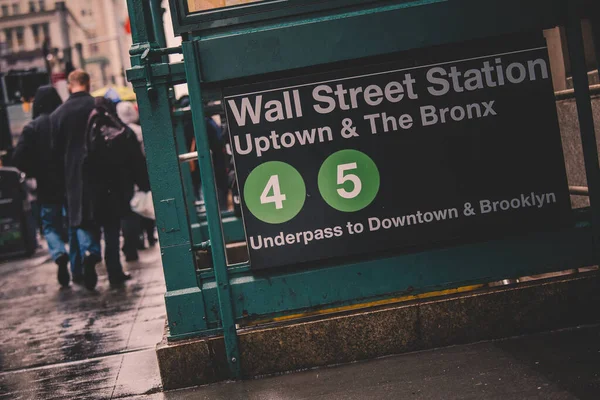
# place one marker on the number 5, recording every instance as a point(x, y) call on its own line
point(341, 179)
point(277, 197)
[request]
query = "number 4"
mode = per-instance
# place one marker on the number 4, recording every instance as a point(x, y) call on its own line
point(341, 179)
point(277, 197)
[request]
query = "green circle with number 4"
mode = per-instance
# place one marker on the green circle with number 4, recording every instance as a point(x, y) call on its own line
point(349, 180)
point(274, 192)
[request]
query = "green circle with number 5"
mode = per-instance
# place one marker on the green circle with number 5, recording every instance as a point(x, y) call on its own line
point(274, 192)
point(349, 180)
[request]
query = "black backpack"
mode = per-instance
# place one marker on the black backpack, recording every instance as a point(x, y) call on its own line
point(113, 161)
point(107, 141)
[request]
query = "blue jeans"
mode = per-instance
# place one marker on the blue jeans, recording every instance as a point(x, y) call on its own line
point(83, 241)
point(51, 215)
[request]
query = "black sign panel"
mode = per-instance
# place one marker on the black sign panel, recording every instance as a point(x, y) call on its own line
point(439, 146)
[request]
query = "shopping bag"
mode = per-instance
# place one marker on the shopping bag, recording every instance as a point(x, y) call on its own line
point(141, 204)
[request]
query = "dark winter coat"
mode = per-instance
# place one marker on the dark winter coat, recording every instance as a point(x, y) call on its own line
point(32, 154)
point(68, 124)
point(117, 164)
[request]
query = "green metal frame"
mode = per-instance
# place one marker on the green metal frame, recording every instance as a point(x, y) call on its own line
point(232, 226)
point(218, 54)
point(209, 20)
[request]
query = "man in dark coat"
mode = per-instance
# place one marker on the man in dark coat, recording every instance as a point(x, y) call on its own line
point(32, 157)
point(115, 163)
point(68, 124)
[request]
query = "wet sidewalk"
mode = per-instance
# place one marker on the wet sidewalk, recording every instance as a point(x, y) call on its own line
point(75, 344)
point(72, 343)
point(562, 365)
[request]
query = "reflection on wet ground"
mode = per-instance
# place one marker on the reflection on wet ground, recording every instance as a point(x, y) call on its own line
point(72, 343)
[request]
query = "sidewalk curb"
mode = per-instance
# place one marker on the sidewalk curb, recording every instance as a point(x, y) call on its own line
point(458, 319)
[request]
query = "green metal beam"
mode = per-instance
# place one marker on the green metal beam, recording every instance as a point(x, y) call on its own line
point(157, 13)
point(172, 74)
point(342, 35)
point(142, 30)
point(179, 120)
point(260, 296)
point(184, 299)
point(213, 213)
point(233, 229)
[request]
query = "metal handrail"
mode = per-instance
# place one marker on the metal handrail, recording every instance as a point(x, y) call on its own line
point(579, 190)
point(188, 157)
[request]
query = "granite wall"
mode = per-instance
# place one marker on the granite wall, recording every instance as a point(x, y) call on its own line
point(569, 127)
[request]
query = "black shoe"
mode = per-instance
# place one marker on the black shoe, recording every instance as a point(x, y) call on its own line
point(78, 279)
point(90, 278)
point(119, 280)
point(63, 272)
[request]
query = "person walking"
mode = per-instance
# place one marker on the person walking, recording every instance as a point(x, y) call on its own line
point(134, 226)
point(68, 124)
point(69, 143)
point(114, 165)
point(32, 157)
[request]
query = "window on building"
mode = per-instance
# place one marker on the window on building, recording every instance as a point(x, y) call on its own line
point(46, 31)
point(37, 37)
point(9, 39)
point(42, 4)
point(20, 38)
point(32, 6)
point(16, 9)
point(5, 10)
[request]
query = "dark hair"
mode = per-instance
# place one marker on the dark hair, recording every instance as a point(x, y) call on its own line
point(46, 100)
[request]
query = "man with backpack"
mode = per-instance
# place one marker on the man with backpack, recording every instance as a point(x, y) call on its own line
point(69, 125)
point(114, 164)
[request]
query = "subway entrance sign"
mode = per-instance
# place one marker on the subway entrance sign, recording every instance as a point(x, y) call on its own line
point(436, 147)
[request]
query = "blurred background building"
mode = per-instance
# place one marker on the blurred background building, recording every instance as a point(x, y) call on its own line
point(55, 36)
point(41, 41)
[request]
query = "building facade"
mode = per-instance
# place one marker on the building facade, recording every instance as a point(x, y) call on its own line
point(30, 29)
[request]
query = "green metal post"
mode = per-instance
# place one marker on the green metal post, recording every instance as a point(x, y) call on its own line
point(184, 299)
point(142, 32)
point(213, 215)
point(585, 114)
point(157, 22)
point(179, 122)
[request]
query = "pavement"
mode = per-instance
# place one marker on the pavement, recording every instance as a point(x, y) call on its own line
point(71, 343)
point(75, 344)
